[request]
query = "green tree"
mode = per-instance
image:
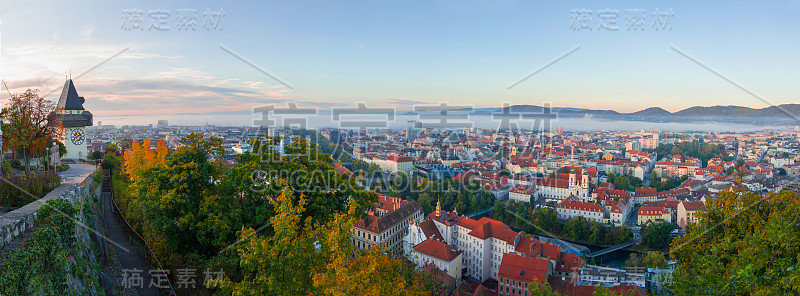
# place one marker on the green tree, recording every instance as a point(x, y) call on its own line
point(547, 219)
point(605, 291)
point(541, 289)
point(278, 264)
point(112, 162)
point(576, 228)
point(655, 259)
point(657, 235)
point(499, 211)
point(634, 262)
point(741, 245)
point(96, 155)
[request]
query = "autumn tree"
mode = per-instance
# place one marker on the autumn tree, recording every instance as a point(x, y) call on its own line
point(279, 264)
point(349, 271)
point(29, 124)
point(142, 157)
point(535, 288)
point(741, 245)
point(178, 197)
point(655, 259)
point(605, 291)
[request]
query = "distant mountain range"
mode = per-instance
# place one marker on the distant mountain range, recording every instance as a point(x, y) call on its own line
point(787, 113)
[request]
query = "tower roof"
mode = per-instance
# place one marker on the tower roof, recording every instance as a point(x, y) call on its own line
point(69, 99)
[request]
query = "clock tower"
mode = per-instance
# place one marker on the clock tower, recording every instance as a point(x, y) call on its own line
point(74, 119)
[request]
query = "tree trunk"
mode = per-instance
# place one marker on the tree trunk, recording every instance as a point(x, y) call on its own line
point(27, 162)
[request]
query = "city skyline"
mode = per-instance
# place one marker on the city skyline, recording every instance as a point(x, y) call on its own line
point(399, 55)
point(415, 148)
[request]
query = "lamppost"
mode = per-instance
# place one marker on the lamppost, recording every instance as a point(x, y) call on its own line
point(53, 157)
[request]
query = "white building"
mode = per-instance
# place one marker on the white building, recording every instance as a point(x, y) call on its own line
point(573, 207)
point(560, 184)
point(521, 194)
point(393, 163)
point(438, 253)
point(386, 224)
point(483, 243)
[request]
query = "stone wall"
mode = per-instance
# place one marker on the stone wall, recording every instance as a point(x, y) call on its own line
point(14, 223)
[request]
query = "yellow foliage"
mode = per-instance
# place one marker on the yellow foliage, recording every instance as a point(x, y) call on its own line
point(140, 158)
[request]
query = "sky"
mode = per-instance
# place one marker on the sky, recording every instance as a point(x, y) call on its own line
point(400, 53)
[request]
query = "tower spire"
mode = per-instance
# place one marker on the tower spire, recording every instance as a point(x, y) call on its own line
point(438, 207)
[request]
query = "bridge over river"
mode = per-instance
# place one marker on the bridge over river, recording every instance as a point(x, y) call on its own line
point(611, 249)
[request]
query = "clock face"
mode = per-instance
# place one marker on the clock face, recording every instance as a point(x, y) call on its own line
point(77, 136)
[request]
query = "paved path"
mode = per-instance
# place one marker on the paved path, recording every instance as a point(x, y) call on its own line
point(130, 259)
point(75, 170)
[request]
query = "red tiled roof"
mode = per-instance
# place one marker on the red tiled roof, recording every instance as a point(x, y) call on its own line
point(645, 191)
point(468, 223)
point(396, 158)
point(446, 218)
point(652, 211)
point(523, 268)
point(519, 190)
point(550, 182)
point(692, 205)
point(493, 228)
point(429, 229)
point(569, 263)
point(396, 212)
point(342, 170)
point(574, 204)
point(673, 163)
point(545, 249)
point(438, 274)
point(438, 249)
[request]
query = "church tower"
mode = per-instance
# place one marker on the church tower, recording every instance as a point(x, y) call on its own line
point(74, 119)
point(585, 178)
point(572, 179)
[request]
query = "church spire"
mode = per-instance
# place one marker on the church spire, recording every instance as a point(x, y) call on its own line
point(438, 208)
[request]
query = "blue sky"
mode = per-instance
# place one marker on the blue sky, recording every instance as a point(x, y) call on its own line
point(399, 53)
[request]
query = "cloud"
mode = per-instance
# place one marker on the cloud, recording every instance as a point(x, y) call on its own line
point(120, 88)
point(43, 59)
point(177, 91)
point(184, 95)
point(87, 31)
point(405, 102)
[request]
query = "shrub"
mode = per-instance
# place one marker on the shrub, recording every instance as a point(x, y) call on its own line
point(27, 188)
point(96, 155)
point(41, 266)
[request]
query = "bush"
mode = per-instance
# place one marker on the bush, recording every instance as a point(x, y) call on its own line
point(41, 266)
point(657, 236)
point(112, 162)
point(63, 167)
point(96, 155)
point(6, 168)
point(25, 189)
